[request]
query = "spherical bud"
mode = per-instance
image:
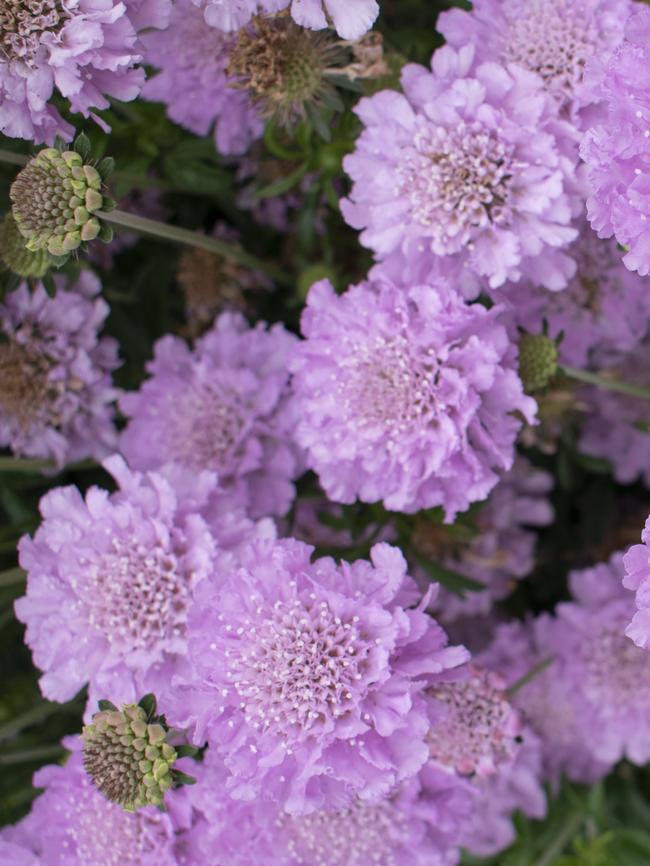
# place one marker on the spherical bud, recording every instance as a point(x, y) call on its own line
point(15, 255)
point(54, 200)
point(537, 361)
point(127, 757)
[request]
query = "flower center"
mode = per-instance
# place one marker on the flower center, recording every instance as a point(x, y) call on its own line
point(22, 25)
point(136, 595)
point(300, 668)
point(551, 40)
point(105, 835)
point(384, 387)
point(457, 181)
point(615, 668)
point(25, 393)
point(478, 728)
point(205, 428)
point(362, 835)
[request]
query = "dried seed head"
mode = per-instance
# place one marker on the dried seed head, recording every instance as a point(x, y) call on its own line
point(537, 361)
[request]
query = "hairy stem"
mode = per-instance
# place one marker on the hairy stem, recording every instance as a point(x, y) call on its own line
point(605, 382)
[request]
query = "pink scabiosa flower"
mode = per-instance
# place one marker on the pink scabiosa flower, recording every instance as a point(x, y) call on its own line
point(225, 407)
point(612, 674)
point(468, 163)
point(406, 396)
point(307, 676)
point(552, 38)
point(637, 578)
point(535, 649)
point(418, 824)
point(604, 310)
point(109, 582)
point(350, 18)
point(86, 50)
point(474, 728)
point(192, 82)
point(616, 426)
point(56, 394)
point(516, 787)
point(72, 824)
point(617, 149)
point(500, 548)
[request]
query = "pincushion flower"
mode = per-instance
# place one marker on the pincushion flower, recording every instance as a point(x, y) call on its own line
point(470, 163)
point(307, 676)
point(474, 728)
point(109, 582)
point(604, 309)
point(224, 407)
point(617, 149)
point(351, 18)
point(519, 649)
point(552, 38)
point(56, 399)
point(615, 427)
point(192, 81)
point(72, 824)
point(637, 578)
point(86, 50)
point(406, 396)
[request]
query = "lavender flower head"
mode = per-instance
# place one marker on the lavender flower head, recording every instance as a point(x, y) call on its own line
point(474, 729)
point(85, 50)
point(617, 149)
point(612, 674)
point(109, 582)
point(519, 650)
point(224, 407)
point(307, 676)
point(418, 824)
point(406, 396)
point(56, 396)
point(637, 578)
point(552, 38)
point(465, 164)
point(72, 824)
point(192, 82)
point(350, 18)
point(603, 311)
point(616, 426)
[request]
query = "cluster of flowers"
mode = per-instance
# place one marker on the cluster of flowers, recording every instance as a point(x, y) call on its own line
point(343, 726)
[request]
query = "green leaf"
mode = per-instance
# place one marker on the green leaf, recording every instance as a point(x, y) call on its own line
point(105, 167)
point(187, 751)
point(82, 146)
point(148, 704)
point(319, 122)
point(106, 705)
point(182, 778)
point(49, 285)
point(451, 580)
point(284, 184)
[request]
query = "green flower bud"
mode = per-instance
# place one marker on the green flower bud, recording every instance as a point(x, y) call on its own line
point(537, 361)
point(128, 758)
point(53, 200)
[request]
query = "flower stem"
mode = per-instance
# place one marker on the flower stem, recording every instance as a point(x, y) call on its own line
point(11, 577)
point(13, 158)
point(24, 464)
point(606, 382)
point(561, 840)
point(28, 755)
point(529, 675)
point(176, 234)
point(33, 716)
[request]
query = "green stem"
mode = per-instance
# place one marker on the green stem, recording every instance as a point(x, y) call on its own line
point(562, 839)
point(530, 675)
point(604, 382)
point(36, 714)
point(11, 577)
point(24, 464)
point(28, 755)
point(13, 158)
point(179, 235)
